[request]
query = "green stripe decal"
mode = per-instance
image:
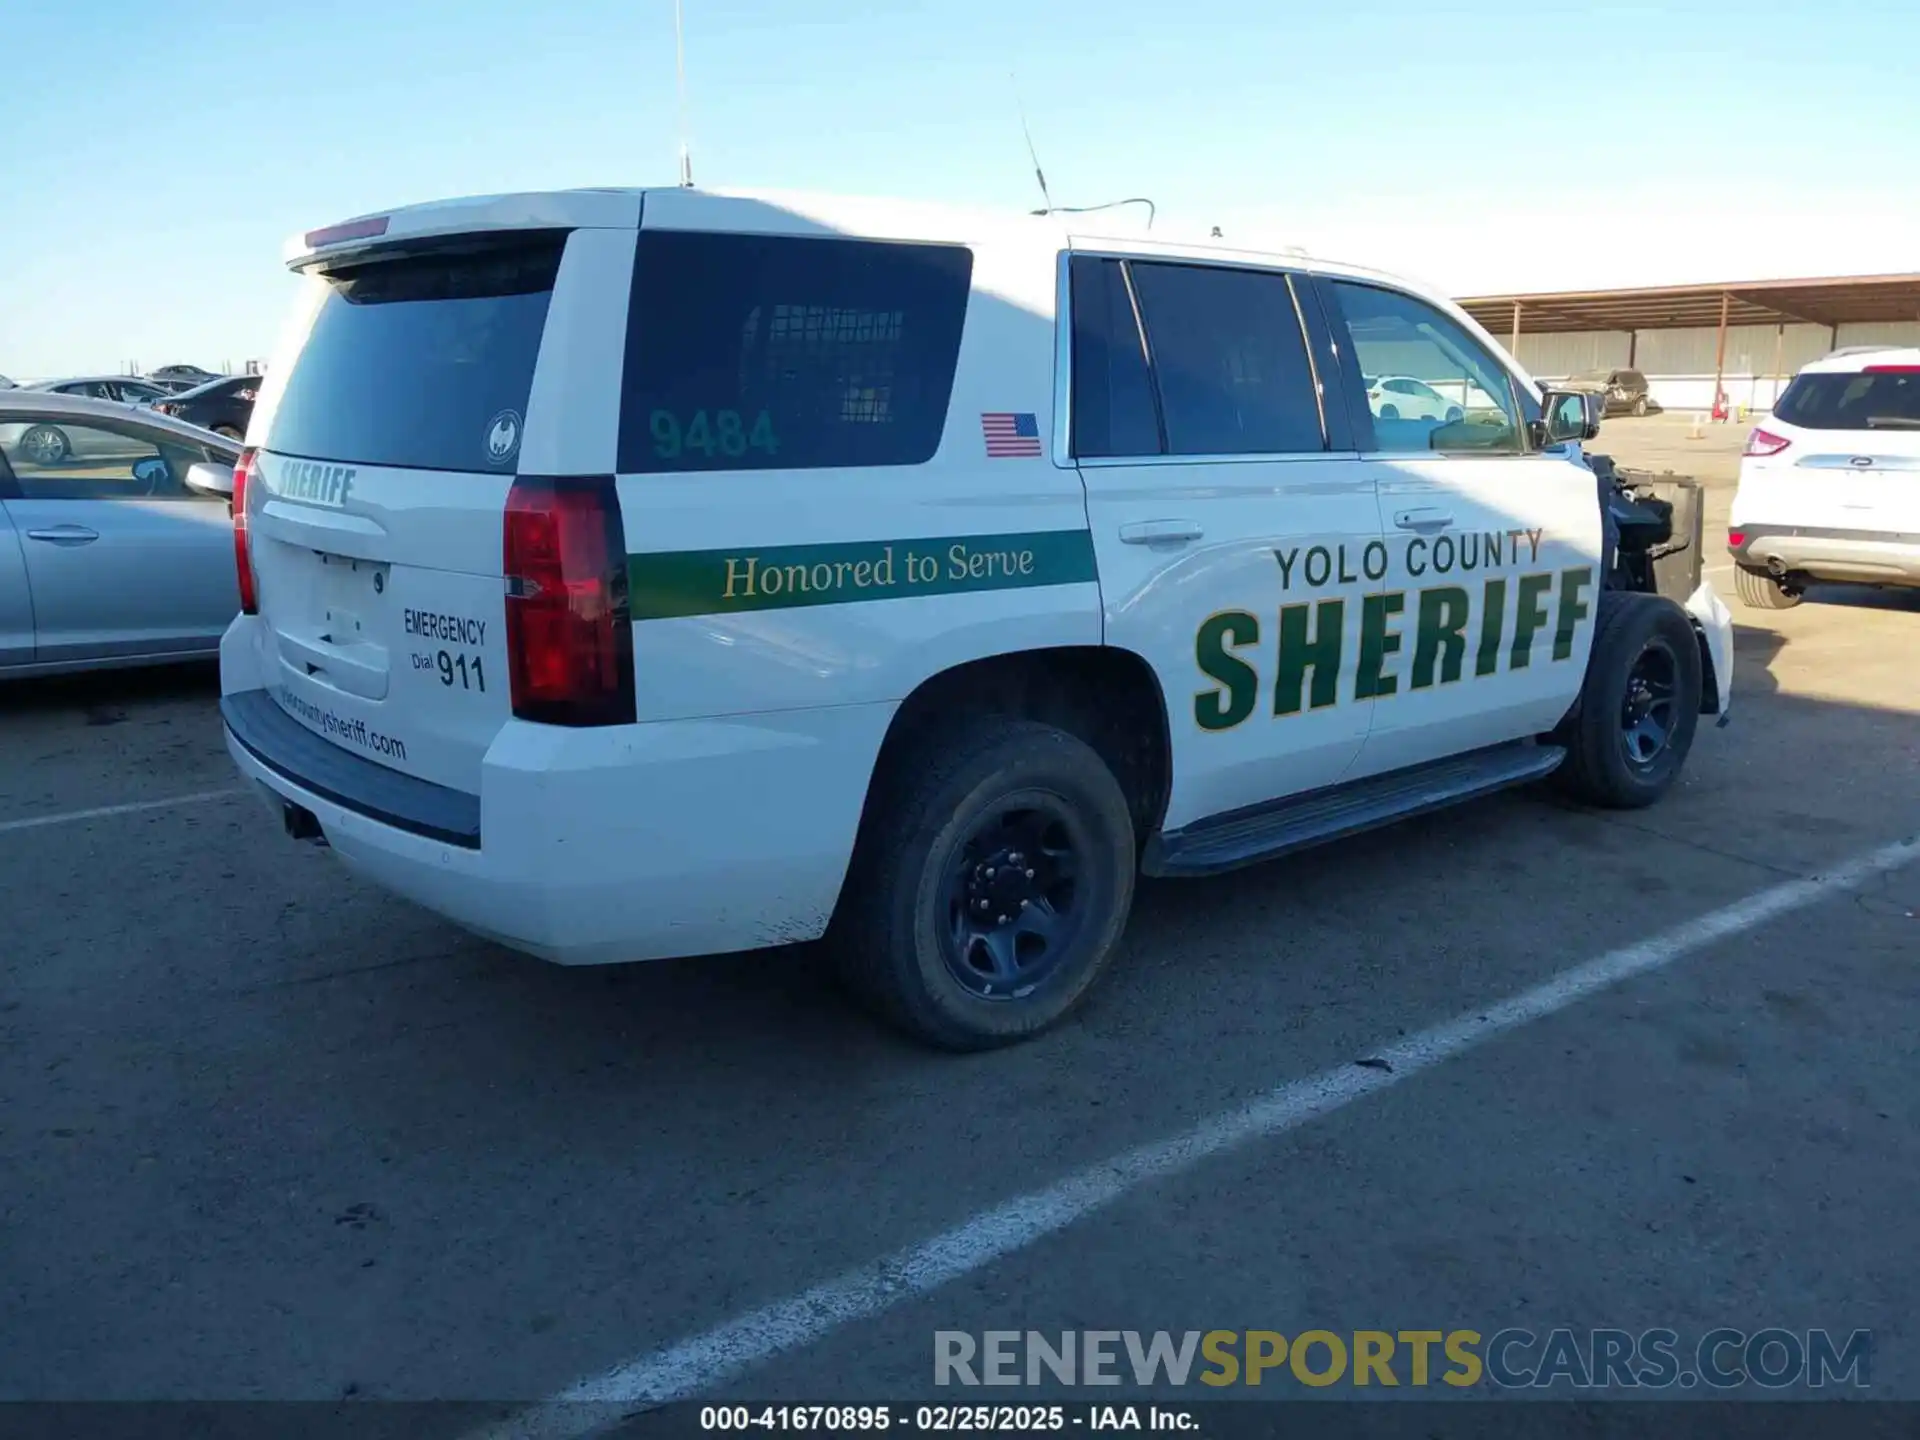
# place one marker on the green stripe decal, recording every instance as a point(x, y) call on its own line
point(666, 584)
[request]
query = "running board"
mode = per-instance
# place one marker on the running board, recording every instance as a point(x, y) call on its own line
point(1246, 837)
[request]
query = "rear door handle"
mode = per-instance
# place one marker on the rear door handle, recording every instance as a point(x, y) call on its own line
point(1422, 520)
point(1160, 532)
point(65, 535)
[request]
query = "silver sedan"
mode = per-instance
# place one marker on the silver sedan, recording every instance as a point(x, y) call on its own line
point(108, 555)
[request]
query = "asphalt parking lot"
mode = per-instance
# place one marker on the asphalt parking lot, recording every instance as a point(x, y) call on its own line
point(269, 1134)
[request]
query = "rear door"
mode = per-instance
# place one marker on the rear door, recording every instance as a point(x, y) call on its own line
point(1853, 463)
point(408, 393)
point(1237, 532)
point(122, 559)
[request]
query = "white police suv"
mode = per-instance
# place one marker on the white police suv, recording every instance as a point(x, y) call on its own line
point(1830, 482)
point(644, 573)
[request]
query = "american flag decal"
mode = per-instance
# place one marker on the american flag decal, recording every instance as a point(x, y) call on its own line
point(1011, 435)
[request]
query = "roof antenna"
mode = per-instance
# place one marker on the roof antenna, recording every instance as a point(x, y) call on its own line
point(680, 73)
point(1032, 154)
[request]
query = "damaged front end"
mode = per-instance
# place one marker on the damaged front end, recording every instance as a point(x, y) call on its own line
point(1653, 529)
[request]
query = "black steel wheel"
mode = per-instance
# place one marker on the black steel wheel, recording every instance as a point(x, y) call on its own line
point(1647, 719)
point(990, 884)
point(1011, 895)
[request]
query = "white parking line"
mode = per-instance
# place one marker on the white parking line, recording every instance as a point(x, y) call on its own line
point(696, 1364)
point(100, 812)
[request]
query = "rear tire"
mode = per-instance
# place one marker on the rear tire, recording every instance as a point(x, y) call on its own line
point(1759, 590)
point(919, 935)
point(228, 432)
point(1640, 405)
point(45, 444)
point(1639, 706)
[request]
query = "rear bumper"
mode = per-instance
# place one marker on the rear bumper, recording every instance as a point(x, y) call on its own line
point(625, 843)
point(1870, 556)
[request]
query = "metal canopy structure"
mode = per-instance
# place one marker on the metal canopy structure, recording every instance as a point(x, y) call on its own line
point(1837, 301)
point(1841, 300)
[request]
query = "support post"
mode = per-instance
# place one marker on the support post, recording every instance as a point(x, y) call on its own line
point(1779, 344)
point(1513, 347)
point(1720, 348)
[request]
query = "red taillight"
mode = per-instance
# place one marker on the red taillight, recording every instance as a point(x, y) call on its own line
point(1736, 538)
point(1890, 370)
point(244, 470)
point(1765, 442)
point(569, 637)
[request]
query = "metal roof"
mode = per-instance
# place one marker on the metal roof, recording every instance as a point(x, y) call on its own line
point(1836, 301)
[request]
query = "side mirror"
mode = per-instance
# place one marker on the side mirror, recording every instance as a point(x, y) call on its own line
point(1567, 415)
point(209, 478)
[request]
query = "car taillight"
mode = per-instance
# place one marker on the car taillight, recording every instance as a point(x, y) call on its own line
point(1765, 442)
point(245, 469)
point(1736, 538)
point(1890, 370)
point(569, 634)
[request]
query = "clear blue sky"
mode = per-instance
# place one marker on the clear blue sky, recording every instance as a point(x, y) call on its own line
point(156, 153)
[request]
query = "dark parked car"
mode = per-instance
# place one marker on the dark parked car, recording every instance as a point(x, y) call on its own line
point(1625, 391)
point(223, 406)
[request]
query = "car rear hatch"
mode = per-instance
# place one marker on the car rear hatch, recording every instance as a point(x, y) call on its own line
point(406, 398)
point(1852, 447)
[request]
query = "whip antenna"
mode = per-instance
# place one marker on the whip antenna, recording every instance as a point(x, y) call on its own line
point(680, 74)
point(1032, 154)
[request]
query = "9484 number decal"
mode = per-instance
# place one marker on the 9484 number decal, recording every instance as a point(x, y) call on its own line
point(711, 435)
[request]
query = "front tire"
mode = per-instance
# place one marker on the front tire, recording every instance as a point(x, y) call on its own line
point(1640, 405)
point(1639, 706)
point(1760, 590)
point(990, 885)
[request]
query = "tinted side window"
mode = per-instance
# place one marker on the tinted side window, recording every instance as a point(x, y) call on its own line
point(422, 360)
point(1230, 360)
point(758, 352)
point(1114, 410)
point(1392, 333)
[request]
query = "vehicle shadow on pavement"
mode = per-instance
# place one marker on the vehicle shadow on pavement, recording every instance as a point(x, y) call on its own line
point(103, 692)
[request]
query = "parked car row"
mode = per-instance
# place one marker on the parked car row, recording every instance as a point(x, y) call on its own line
point(220, 403)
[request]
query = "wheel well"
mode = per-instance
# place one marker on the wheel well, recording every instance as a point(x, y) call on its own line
point(1106, 696)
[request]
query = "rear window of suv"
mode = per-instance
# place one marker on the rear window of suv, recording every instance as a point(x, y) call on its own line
point(1887, 400)
point(422, 360)
point(764, 352)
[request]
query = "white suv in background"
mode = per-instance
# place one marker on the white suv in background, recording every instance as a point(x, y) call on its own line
point(1830, 483)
